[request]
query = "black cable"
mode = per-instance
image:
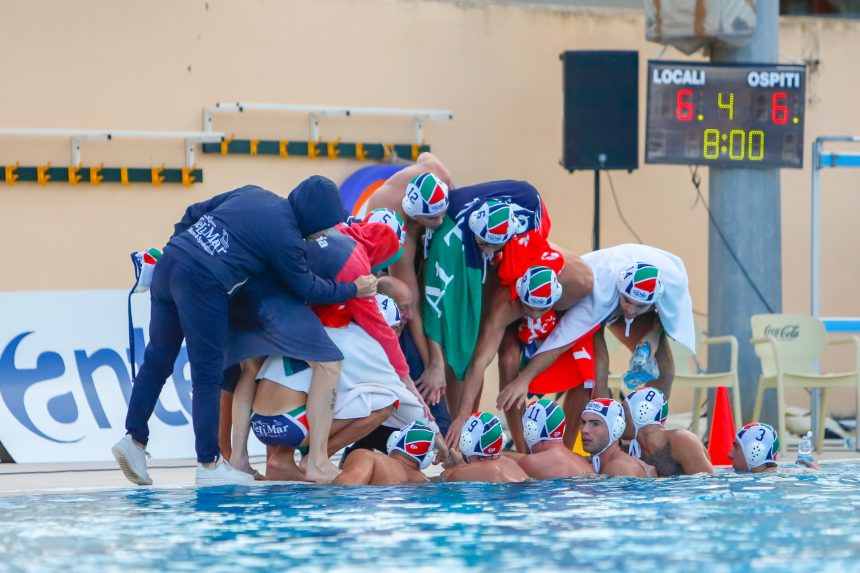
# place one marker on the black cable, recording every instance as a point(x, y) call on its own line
point(697, 181)
point(630, 228)
point(618, 208)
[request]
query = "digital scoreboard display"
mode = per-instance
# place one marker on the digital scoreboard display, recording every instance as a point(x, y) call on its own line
point(729, 115)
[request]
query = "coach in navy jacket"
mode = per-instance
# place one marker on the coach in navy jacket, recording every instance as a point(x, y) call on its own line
point(216, 248)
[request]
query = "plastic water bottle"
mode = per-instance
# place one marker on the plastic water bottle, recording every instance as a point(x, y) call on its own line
point(804, 448)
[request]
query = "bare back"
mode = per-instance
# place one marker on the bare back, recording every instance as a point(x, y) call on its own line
point(366, 467)
point(554, 464)
point(625, 465)
point(576, 279)
point(500, 470)
point(675, 452)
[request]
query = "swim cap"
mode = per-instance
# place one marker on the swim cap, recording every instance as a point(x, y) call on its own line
point(543, 420)
point(416, 441)
point(648, 406)
point(426, 196)
point(539, 288)
point(390, 218)
point(613, 416)
point(389, 309)
point(494, 222)
point(641, 282)
point(482, 435)
point(759, 443)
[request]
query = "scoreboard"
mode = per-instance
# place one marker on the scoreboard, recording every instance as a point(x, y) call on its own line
point(728, 115)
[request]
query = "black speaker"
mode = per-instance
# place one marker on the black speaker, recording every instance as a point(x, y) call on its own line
point(601, 110)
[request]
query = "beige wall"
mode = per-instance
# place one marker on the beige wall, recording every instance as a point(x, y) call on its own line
point(130, 65)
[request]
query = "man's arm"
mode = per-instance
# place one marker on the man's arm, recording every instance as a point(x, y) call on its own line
point(426, 163)
point(489, 338)
point(578, 280)
point(516, 393)
point(287, 256)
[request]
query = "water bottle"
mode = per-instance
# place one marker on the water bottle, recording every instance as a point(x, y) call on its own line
point(804, 448)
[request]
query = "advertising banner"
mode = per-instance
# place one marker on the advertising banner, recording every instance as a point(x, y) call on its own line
point(65, 378)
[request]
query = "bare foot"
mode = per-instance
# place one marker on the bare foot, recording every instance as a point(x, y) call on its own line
point(321, 473)
point(243, 464)
point(283, 473)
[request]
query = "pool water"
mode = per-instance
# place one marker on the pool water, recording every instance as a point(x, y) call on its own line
point(776, 523)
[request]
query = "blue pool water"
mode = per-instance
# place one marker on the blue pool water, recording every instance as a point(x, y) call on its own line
point(775, 523)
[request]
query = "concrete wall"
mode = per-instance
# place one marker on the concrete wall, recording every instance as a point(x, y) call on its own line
point(129, 65)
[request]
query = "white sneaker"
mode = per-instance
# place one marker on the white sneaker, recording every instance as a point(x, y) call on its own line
point(132, 460)
point(222, 473)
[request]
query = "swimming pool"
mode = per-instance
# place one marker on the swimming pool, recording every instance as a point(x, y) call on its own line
point(727, 523)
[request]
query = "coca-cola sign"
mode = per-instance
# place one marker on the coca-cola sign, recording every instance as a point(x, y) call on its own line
point(785, 332)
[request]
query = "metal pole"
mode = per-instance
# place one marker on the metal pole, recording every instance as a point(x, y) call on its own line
point(815, 273)
point(745, 204)
point(595, 239)
point(815, 242)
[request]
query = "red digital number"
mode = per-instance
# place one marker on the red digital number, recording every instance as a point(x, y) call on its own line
point(779, 111)
point(684, 109)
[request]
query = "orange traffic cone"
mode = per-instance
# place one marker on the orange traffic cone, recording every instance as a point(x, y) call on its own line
point(722, 429)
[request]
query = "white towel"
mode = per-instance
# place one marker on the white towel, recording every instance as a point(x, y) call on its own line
point(675, 307)
point(367, 381)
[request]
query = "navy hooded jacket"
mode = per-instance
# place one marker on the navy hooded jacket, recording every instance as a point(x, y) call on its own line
point(243, 232)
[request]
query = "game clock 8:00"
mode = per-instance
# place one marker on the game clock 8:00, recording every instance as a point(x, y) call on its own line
point(732, 115)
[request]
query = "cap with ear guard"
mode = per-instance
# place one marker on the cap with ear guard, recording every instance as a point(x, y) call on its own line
point(759, 443)
point(390, 218)
point(426, 196)
point(648, 406)
point(539, 288)
point(389, 309)
point(543, 420)
point(613, 416)
point(494, 222)
point(482, 436)
point(641, 282)
point(416, 441)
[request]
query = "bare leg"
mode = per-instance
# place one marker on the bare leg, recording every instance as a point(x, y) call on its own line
point(224, 425)
point(346, 432)
point(320, 410)
point(281, 465)
point(509, 366)
point(601, 365)
point(243, 398)
point(575, 400)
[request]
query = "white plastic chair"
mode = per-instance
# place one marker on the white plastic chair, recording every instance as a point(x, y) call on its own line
point(689, 375)
point(787, 346)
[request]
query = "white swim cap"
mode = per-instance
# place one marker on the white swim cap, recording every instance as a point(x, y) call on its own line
point(390, 218)
point(641, 282)
point(494, 222)
point(543, 420)
point(482, 435)
point(648, 406)
point(539, 288)
point(613, 416)
point(759, 443)
point(389, 309)
point(416, 441)
point(426, 196)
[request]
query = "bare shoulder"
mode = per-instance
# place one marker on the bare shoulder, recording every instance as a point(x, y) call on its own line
point(358, 457)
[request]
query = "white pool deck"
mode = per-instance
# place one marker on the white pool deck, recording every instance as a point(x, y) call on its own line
point(37, 478)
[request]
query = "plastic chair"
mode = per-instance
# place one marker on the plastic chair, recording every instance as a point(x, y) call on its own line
point(689, 375)
point(788, 346)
